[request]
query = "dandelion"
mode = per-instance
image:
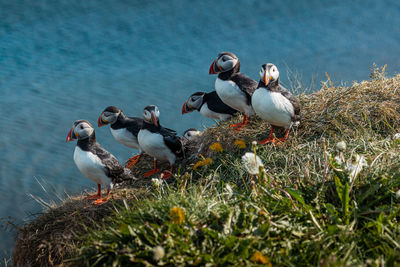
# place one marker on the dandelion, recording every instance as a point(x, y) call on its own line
point(177, 215)
point(252, 163)
point(259, 258)
point(216, 147)
point(203, 162)
point(341, 146)
point(158, 253)
point(240, 143)
point(355, 167)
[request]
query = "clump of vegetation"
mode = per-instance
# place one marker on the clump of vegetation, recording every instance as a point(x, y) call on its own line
point(329, 196)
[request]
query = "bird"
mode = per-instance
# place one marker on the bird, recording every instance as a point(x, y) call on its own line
point(124, 129)
point(275, 104)
point(94, 161)
point(190, 135)
point(209, 105)
point(234, 88)
point(158, 142)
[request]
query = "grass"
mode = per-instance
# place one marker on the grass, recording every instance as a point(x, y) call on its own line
point(315, 203)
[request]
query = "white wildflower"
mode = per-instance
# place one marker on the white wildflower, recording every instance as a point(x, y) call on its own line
point(157, 183)
point(396, 136)
point(338, 160)
point(252, 163)
point(158, 253)
point(397, 195)
point(254, 143)
point(228, 190)
point(355, 167)
point(341, 146)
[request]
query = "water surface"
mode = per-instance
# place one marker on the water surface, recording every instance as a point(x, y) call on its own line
point(66, 60)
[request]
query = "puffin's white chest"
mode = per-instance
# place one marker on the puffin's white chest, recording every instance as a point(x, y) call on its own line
point(125, 137)
point(205, 111)
point(91, 166)
point(231, 95)
point(273, 107)
point(153, 145)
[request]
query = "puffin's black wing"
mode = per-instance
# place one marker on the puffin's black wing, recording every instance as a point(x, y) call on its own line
point(246, 84)
point(215, 104)
point(293, 100)
point(133, 125)
point(172, 141)
point(170, 130)
point(113, 168)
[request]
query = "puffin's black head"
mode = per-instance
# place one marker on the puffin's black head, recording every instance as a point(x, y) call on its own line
point(269, 73)
point(190, 134)
point(151, 114)
point(225, 62)
point(81, 129)
point(194, 102)
point(109, 115)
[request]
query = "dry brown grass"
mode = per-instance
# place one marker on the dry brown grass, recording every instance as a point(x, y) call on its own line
point(50, 238)
point(334, 111)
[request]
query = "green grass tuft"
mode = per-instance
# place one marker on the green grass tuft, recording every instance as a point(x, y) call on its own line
point(315, 203)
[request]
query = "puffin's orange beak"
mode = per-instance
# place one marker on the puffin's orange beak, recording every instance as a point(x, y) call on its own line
point(154, 118)
point(184, 110)
point(266, 80)
point(69, 136)
point(100, 122)
point(212, 70)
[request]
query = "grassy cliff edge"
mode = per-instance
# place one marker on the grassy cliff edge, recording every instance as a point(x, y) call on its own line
point(329, 196)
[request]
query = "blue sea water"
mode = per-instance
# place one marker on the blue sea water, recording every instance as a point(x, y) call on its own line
point(66, 60)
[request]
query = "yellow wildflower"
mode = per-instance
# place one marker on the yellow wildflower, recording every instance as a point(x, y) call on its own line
point(216, 147)
point(259, 258)
point(204, 162)
point(177, 215)
point(240, 143)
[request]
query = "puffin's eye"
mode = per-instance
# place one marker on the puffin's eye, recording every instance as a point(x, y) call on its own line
point(188, 134)
point(81, 127)
point(192, 99)
point(223, 59)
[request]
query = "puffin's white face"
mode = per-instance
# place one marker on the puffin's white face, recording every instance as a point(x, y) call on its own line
point(191, 134)
point(151, 114)
point(195, 101)
point(224, 62)
point(109, 117)
point(81, 129)
point(269, 72)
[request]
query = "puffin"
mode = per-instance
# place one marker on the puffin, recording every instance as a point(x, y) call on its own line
point(158, 142)
point(275, 104)
point(124, 129)
point(234, 88)
point(191, 134)
point(94, 161)
point(209, 105)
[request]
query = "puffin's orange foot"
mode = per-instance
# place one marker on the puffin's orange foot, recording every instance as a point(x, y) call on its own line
point(240, 127)
point(100, 201)
point(154, 171)
point(266, 141)
point(132, 161)
point(93, 197)
point(236, 125)
point(165, 175)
